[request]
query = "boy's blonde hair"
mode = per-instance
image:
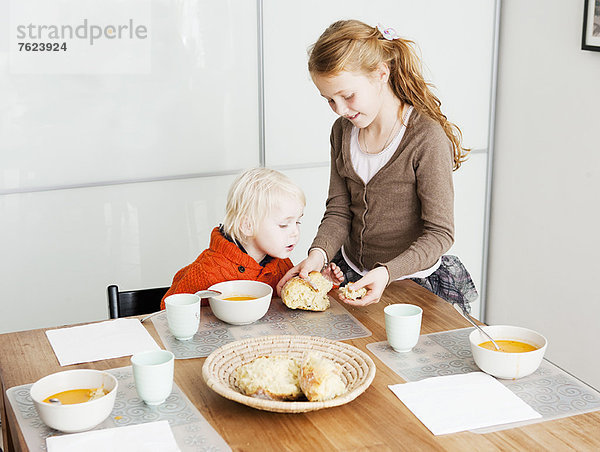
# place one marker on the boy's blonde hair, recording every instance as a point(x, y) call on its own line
point(253, 196)
point(351, 45)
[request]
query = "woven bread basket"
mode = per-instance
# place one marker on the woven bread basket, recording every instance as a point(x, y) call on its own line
point(358, 370)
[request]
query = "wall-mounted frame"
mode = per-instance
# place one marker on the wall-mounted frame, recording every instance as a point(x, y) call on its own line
point(591, 26)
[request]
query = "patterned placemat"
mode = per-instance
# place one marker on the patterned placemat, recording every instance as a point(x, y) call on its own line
point(550, 391)
point(192, 432)
point(335, 323)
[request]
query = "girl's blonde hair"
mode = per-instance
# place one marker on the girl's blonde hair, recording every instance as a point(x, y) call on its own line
point(351, 45)
point(253, 196)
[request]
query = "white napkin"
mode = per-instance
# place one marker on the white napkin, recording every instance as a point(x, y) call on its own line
point(455, 403)
point(98, 341)
point(149, 437)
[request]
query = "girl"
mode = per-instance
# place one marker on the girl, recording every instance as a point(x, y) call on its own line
point(389, 214)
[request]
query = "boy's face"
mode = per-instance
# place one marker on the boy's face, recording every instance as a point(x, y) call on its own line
point(279, 232)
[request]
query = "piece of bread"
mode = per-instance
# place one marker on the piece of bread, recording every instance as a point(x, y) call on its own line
point(270, 377)
point(299, 294)
point(348, 292)
point(320, 378)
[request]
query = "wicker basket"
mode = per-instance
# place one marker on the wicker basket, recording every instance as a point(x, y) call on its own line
point(358, 370)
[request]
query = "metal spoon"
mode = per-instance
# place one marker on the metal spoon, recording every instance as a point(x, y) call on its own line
point(208, 293)
point(55, 401)
point(470, 319)
point(149, 316)
point(201, 294)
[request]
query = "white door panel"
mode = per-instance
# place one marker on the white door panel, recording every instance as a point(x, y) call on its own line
point(63, 248)
point(195, 112)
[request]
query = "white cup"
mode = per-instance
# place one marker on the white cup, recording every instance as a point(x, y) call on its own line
point(403, 326)
point(183, 315)
point(153, 375)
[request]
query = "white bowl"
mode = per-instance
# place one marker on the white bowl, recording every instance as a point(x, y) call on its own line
point(508, 365)
point(241, 312)
point(77, 417)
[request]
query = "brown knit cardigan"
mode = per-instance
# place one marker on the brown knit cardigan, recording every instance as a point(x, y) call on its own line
point(403, 218)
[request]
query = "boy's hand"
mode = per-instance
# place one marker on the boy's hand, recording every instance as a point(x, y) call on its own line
point(334, 274)
point(375, 281)
point(314, 262)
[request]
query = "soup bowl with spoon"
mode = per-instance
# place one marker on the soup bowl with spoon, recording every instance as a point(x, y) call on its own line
point(74, 400)
point(521, 350)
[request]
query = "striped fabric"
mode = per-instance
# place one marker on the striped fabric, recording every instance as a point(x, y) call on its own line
point(452, 282)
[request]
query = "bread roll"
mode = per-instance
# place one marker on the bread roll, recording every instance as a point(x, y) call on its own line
point(320, 378)
point(270, 377)
point(299, 294)
point(348, 292)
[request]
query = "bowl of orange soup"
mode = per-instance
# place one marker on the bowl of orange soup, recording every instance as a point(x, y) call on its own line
point(241, 301)
point(521, 351)
point(86, 397)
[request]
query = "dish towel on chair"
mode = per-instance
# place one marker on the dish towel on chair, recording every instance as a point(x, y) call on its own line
point(452, 282)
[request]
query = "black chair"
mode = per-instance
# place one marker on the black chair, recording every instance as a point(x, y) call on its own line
point(134, 302)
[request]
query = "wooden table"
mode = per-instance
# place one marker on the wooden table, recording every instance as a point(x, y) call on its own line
point(376, 420)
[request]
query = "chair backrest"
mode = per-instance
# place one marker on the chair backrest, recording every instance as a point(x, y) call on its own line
point(133, 302)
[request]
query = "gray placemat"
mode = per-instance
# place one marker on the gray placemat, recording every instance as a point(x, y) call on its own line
point(335, 323)
point(191, 431)
point(550, 391)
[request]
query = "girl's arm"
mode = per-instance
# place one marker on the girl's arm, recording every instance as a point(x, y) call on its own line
point(335, 225)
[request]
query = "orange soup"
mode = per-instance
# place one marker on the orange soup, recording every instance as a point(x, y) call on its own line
point(509, 346)
point(73, 396)
point(239, 298)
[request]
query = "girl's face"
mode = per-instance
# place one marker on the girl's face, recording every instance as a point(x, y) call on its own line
point(354, 95)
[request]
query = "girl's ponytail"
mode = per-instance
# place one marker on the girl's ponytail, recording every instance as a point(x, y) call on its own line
point(408, 84)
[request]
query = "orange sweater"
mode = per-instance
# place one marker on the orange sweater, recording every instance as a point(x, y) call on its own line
point(224, 261)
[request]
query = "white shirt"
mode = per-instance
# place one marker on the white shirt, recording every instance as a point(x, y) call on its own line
point(420, 274)
point(367, 165)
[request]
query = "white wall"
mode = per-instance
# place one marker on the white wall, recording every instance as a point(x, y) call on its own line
point(544, 241)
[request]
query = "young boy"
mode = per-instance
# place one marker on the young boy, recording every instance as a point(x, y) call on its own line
point(260, 230)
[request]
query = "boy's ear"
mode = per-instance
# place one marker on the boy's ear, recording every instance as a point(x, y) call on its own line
point(246, 227)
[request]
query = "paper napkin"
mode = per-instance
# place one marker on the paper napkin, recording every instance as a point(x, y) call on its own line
point(98, 341)
point(455, 403)
point(149, 437)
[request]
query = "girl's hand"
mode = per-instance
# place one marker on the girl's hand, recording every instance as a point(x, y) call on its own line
point(314, 262)
point(334, 274)
point(375, 281)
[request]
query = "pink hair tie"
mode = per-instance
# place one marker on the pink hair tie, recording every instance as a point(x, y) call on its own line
point(388, 33)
